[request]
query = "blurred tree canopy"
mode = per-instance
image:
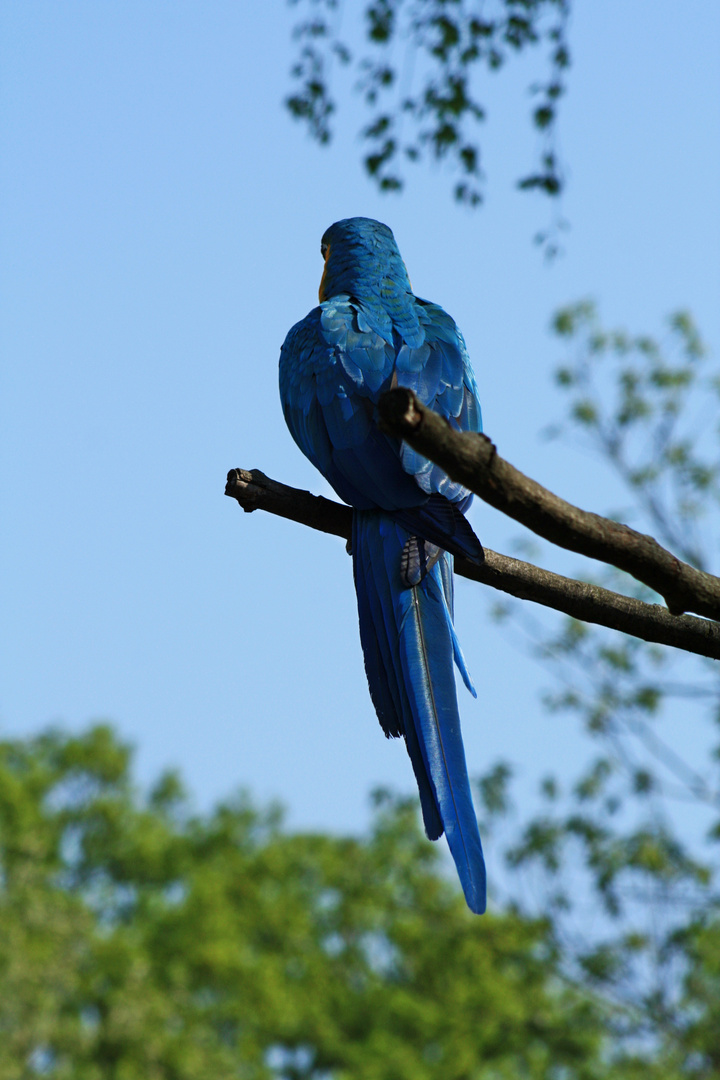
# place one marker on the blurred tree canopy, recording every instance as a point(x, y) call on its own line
point(415, 65)
point(623, 859)
point(138, 940)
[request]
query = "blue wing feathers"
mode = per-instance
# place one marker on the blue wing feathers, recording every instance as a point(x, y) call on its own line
point(338, 357)
point(442, 523)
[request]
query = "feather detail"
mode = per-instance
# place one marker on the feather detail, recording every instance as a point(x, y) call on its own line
point(379, 640)
point(418, 557)
point(426, 652)
point(409, 645)
point(442, 523)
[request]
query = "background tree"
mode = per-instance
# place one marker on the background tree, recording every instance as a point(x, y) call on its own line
point(416, 66)
point(631, 876)
point(140, 940)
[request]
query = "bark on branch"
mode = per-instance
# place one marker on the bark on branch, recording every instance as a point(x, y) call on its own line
point(590, 603)
point(474, 461)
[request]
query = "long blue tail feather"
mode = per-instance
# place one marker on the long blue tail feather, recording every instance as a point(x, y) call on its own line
point(379, 639)
point(446, 573)
point(409, 644)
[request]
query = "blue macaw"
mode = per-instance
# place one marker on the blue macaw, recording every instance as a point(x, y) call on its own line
point(371, 333)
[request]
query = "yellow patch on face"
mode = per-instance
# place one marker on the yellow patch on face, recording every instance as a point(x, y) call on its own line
point(321, 290)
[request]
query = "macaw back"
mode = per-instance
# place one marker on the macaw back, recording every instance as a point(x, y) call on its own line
point(371, 333)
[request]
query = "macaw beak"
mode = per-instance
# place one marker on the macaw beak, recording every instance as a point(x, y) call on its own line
point(321, 290)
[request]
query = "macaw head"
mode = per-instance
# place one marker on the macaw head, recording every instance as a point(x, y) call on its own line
point(362, 260)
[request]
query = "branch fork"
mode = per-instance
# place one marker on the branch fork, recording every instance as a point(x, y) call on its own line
point(473, 460)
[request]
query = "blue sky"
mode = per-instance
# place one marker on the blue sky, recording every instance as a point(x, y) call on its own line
point(161, 225)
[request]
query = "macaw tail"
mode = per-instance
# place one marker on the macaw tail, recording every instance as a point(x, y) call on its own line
point(409, 643)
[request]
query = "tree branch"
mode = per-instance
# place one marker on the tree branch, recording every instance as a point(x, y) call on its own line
point(590, 603)
point(473, 460)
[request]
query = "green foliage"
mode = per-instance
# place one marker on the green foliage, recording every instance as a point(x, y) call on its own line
point(416, 67)
point(648, 407)
point(140, 940)
point(633, 902)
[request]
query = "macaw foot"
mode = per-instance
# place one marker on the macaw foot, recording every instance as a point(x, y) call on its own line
point(418, 558)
